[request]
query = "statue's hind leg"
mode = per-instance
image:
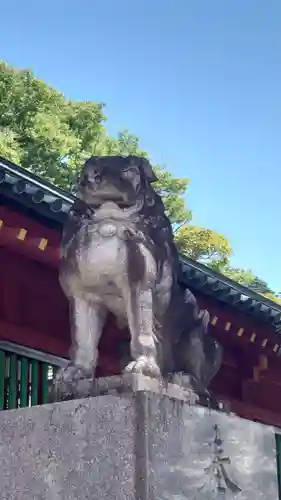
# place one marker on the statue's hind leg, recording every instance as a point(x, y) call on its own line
point(141, 325)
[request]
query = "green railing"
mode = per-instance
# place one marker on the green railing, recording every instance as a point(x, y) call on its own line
point(25, 376)
point(278, 459)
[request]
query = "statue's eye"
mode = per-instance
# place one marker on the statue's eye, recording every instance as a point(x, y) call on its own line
point(93, 175)
point(130, 173)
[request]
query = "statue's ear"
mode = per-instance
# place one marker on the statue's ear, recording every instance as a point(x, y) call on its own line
point(143, 164)
point(147, 168)
point(91, 161)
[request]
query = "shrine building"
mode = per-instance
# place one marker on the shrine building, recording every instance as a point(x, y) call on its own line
point(34, 324)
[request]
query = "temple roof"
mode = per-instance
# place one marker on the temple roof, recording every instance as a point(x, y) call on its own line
point(44, 200)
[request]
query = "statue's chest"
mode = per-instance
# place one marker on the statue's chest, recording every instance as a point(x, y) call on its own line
point(100, 253)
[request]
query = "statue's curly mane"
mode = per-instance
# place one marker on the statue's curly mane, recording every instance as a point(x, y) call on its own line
point(154, 223)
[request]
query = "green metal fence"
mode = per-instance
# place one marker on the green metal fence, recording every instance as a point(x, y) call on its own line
point(25, 376)
point(278, 459)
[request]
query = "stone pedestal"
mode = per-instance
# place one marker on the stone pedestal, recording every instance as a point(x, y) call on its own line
point(146, 443)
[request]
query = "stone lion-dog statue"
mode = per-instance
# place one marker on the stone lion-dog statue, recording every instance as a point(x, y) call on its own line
point(118, 255)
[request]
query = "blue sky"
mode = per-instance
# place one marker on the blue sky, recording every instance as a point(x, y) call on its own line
point(199, 81)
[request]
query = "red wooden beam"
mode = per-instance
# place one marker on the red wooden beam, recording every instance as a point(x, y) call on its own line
point(33, 228)
point(273, 373)
point(237, 319)
point(263, 393)
point(28, 246)
point(107, 365)
point(33, 339)
point(252, 412)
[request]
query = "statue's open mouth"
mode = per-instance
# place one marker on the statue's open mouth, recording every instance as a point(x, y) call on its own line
point(119, 200)
point(108, 195)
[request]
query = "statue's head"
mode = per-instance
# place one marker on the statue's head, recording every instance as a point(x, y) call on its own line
point(118, 179)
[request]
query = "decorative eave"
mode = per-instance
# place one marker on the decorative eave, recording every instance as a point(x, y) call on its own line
point(43, 199)
point(210, 282)
point(27, 189)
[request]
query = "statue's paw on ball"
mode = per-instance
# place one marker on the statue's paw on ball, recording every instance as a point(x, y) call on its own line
point(145, 366)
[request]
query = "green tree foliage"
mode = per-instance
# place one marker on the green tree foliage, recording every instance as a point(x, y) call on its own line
point(9, 146)
point(45, 132)
point(246, 277)
point(51, 136)
point(172, 191)
point(204, 245)
point(51, 133)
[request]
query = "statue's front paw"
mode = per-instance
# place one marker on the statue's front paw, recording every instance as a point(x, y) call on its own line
point(68, 381)
point(72, 373)
point(145, 366)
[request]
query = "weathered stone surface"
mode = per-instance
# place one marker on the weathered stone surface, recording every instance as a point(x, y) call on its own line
point(182, 455)
point(144, 445)
point(119, 384)
point(77, 449)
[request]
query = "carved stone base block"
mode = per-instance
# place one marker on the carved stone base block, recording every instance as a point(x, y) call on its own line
point(147, 443)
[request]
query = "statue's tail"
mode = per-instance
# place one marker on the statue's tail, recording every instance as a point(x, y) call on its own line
point(197, 353)
point(214, 358)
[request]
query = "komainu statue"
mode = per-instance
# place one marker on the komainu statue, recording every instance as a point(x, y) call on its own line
point(119, 256)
